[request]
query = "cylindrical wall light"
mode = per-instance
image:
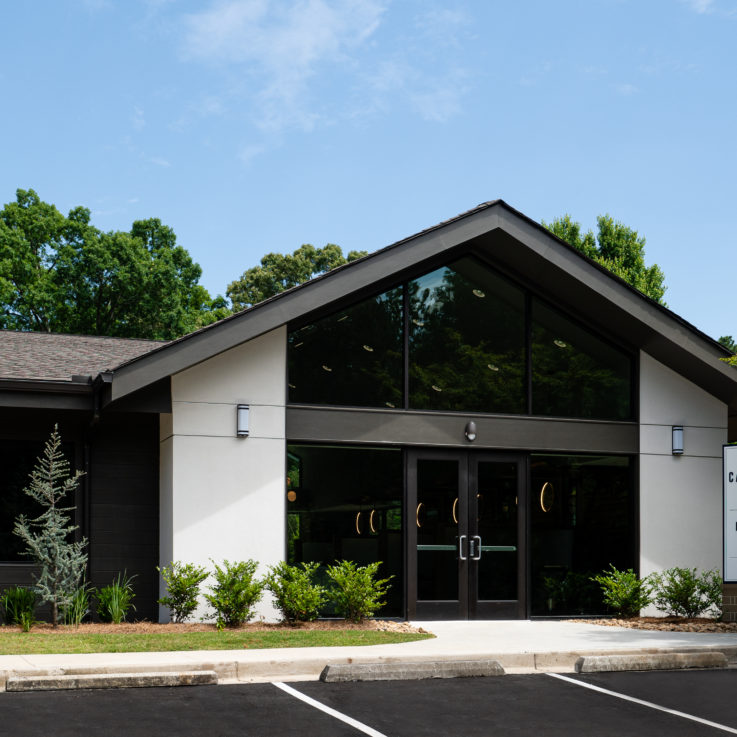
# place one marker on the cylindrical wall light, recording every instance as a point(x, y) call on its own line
point(470, 431)
point(241, 421)
point(677, 440)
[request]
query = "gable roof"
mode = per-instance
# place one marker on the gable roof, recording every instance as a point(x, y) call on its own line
point(67, 358)
point(506, 239)
point(493, 231)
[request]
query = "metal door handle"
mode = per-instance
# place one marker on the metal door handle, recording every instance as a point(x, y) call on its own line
point(461, 538)
point(477, 538)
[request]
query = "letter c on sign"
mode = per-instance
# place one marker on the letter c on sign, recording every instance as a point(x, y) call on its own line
point(731, 477)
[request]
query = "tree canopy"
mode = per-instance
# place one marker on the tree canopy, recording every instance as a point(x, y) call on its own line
point(616, 247)
point(278, 272)
point(61, 274)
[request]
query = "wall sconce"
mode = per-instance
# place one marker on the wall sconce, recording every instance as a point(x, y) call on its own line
point(677, 440)
point(470, 431)
point(241, 421)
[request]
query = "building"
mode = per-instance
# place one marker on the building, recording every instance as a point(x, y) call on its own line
point(479, 406)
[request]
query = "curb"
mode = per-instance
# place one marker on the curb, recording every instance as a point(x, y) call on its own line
point(278, 666)
point(410, 671)
point(663, 661)
point(111, 680)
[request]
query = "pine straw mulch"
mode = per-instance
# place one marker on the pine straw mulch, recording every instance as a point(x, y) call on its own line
point(666, 624)
point(147, 628)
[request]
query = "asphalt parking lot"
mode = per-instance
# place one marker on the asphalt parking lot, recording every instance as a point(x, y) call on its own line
point(700, 703)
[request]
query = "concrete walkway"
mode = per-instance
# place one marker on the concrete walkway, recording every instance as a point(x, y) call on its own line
point(520, 647)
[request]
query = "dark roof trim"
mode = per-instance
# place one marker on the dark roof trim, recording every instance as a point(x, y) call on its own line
point(519, 243)
point(39, 394)
point(290, 305)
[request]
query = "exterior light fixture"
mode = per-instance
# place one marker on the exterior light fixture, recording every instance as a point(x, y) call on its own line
point(241, 421)
point(677, 440)
point(470, 431)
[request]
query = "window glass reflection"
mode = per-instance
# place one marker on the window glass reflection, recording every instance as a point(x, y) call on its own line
point(574, 373)
point(353, 357)
point(17, 460)
point(466, 341)
point(346, 503)
point(582, 519)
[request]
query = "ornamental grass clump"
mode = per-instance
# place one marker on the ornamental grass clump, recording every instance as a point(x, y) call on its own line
point(79, 607)
point(61, 562)
point(295, 594)
point(183, 587)
point(18, 606)
point(683, 592)
point(235, 592)
point(624, 592)
point(116, 600)
point(356, 592)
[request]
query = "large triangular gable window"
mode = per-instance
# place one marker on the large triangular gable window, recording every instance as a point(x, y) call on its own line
point(467, 339)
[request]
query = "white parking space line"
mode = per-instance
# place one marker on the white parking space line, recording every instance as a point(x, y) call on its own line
point(360, 726)
point(649, 704)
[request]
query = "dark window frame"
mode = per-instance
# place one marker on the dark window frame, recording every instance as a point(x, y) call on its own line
point(76, 463)
point(530, 293)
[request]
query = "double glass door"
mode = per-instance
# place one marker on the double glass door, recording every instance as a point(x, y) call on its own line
point(466, 535)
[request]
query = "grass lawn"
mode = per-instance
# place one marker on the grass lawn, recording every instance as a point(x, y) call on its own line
point(15, 642)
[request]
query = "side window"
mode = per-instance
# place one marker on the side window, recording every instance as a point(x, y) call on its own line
point(575, 373)
point(17, 460)
point(353, 357)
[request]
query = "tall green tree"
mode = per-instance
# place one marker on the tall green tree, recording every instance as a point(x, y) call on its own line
point(729, 343)
point(617, 247)
point(278, 272)
point(61, 274)
point(61, 563)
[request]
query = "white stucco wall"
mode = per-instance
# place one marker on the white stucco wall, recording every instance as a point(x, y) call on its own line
point(222, 497)
point(680, 496)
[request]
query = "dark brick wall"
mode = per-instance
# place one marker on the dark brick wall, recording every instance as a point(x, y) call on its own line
point(124, 506)
point(118, 501)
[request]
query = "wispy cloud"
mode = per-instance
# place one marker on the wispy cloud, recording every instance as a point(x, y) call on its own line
point(249, 152)
point(138, 119)
point(626, 89)
point(280, 46)
point(159, 161)
point(700, 6)
point(442, 100)
point(97, 5)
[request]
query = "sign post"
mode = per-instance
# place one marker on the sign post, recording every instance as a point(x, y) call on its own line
point(729, 487)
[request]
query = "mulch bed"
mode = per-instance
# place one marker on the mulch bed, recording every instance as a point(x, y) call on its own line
point(666, 624)
point(144, 628)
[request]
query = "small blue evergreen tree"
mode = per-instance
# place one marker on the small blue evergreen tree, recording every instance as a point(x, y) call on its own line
point(61, 563)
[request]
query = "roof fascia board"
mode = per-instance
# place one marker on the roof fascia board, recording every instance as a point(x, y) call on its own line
point(291, 305)
point(535, 253)
point(45, 394)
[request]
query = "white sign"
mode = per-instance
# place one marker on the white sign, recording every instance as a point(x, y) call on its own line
point(730, 512)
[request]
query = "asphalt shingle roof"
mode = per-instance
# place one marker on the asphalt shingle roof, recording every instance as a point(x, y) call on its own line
point(54, 357)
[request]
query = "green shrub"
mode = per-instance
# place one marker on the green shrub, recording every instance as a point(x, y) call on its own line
point(624, 592)
point(115, 601)
point(18, 605)
point(682, 592)
point(235, 592)
point(183, 586)
point(356, 591)
point(78, 607)
point(295, 595)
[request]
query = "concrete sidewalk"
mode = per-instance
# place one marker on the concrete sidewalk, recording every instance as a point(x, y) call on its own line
point(519, 646)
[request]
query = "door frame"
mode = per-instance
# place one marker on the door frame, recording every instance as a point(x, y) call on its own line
point(466, 606)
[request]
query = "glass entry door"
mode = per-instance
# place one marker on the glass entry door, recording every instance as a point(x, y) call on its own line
point(466, 536)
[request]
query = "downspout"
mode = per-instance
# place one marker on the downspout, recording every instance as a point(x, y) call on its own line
point(98, 388)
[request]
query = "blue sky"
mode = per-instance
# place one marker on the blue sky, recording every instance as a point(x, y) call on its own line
point(252, 126)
